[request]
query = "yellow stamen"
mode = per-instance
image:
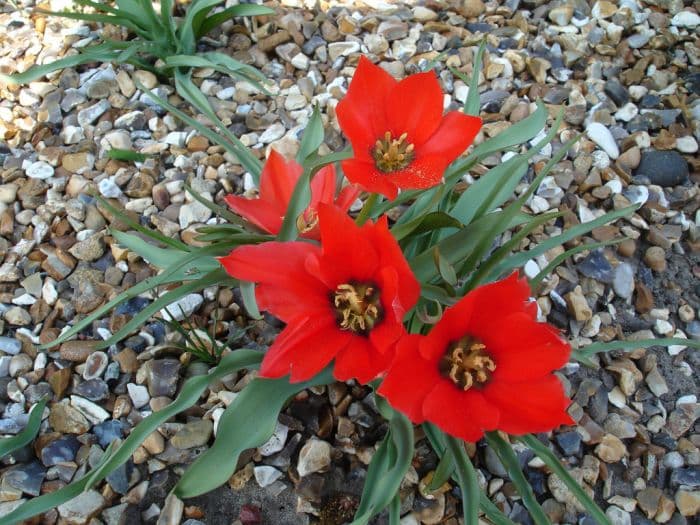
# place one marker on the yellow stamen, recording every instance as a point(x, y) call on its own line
point(307, 220)
point(392, 154)
point(466, 363)
point(357, 307)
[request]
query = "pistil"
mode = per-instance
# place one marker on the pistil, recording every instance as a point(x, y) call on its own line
point(467, 363)
point(357, 307)
point(392, 154)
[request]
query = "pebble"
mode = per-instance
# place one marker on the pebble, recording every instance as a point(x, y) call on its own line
point(194, 434)
point(663, 168)
point(314, 456)
point(623, 280)
point(82, 508)
point(10, 345)
point(138, 394)
point(40, 170)
point(265, 475)
point(601, 135)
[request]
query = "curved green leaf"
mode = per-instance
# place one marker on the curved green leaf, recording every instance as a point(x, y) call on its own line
point(248, 422)
point(472, 104)
point(555, 466)
point(10, 444)
point(466, 476)
point(512, 466)
point(114, 457)
point(219, 18)
point(597, 348)
point(388, 466)
point(554, 263)
point(312, 138)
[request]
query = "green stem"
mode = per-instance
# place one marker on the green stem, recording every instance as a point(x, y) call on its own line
point(366, 209)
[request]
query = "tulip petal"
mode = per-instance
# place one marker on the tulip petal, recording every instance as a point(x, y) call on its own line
point(360, 360)
point(466, 415)
point(366, 174)
point(414, 106)
point(362, 112)
point(278, 179)
point(456, 132)
point(532, 406)
point(257, 211)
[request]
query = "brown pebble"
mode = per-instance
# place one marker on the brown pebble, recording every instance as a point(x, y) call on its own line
point(655, 258)
point(77, 351)
point(644, 300)
point(627, 248)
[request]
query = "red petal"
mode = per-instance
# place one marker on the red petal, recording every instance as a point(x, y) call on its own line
point(347, 196)
point(415, 107)
point(369, 177)
point(361, 113)
point(409, 379)
point(277, 180)
point(360, 360)
point(424, 172)
point(323, 186)
point(286, 294)
point(303, 349)
point(534, 406)
point(261, 213)
point(456, 132)
point(466, 415)
point(525, 350)
point(403, 282)
point(347, 253)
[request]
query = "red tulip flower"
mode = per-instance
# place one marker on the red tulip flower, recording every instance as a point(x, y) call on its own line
point(277, 182)
point(342, 300)
point(486, 365)
point(399, 136)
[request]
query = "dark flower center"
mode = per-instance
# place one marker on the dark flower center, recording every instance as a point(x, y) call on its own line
point(357, 307)
point(392, 154)
point(467, 363)
point(307, 220)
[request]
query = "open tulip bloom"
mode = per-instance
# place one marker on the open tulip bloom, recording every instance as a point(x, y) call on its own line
point(418, 296)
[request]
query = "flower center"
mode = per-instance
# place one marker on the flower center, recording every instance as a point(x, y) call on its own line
point(466, 363)
point(357, 307)
point(307, 220)
point(392, 154)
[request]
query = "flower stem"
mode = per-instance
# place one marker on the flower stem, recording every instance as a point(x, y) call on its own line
point(366, 209)
point(468, 482)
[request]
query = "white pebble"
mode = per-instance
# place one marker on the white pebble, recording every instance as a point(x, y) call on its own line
point(603, 138)
point(685, 19)
point(687, 144)
point(39, 170)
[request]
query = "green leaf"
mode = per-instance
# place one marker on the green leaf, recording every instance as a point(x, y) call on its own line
point(160, 257)
point(248, 422)
point(519, 259)
point(237, 10)
point(518, 133)
point(182, 269)
point(10, 444)
point(472, 105)
point(444, 268)
point(36, 72)
point(388, 466)
point(457, 246)
point(187, 36)
point(191, 391)
point(430, 221)
point(554, 263)
point(468, 482)
point(443, 472)
point(596, 348)
point(486, 266)
point(312, 138)
point(229, 141)
point(555, 466)
point(298, 202)
point(122, 216)
point(512, 466)
point(215, 277)
point(248, 296)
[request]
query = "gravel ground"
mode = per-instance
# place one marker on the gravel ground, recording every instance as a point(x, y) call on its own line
point(626, 74)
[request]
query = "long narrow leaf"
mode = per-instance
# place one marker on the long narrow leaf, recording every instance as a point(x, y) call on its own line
point(519, 259)
point(219, 18)
point(598, 348)
point(9, 445)
point(472, 105)
point(468, 482)
point(217, 276)
point(555, 466)
point(512, 466)
point(247, 422)
point(312, 138)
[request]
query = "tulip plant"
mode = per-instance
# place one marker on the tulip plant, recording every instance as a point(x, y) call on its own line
point(427, 307)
